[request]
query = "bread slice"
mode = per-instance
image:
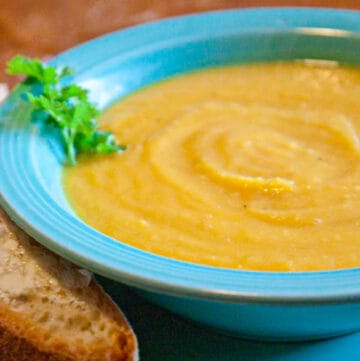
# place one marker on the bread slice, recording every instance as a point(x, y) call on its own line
point(52, 310)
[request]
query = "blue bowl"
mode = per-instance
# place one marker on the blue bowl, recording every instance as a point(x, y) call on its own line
point(266, 305)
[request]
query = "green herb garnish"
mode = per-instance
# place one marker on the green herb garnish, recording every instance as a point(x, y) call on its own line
point(66, 107)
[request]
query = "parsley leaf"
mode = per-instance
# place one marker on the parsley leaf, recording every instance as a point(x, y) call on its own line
point(66, 107)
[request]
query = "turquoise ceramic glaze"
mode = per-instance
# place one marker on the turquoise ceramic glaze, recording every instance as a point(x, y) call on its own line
point(162, 336)
point(269, 305)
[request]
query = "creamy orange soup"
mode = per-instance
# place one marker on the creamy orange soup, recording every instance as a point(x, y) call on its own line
point(248, 167)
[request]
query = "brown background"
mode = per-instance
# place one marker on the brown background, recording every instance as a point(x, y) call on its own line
point(46, 27)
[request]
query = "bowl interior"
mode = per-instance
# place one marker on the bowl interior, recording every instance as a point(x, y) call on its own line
point(119, 63)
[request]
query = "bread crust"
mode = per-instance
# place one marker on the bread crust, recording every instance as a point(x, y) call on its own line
point(14, 345)
point(14, 348)
point(22, 339)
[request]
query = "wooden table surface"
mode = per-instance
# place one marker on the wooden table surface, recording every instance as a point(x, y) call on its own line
point(46, 27)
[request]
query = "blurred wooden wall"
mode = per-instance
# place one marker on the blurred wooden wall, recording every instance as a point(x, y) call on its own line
point(45, 27)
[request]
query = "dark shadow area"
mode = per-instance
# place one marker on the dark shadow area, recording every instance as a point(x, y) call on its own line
point(164, 336)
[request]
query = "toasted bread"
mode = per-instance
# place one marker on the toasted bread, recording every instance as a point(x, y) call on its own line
point(52, 310)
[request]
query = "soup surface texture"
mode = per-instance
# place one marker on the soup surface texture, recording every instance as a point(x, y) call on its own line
point(249, 167)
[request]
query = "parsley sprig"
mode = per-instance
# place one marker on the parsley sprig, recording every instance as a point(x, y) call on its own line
point(66, 107)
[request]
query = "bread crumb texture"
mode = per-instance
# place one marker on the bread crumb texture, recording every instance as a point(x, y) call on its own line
point(52, 310)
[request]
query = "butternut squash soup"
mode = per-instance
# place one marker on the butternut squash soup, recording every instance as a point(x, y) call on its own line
point(252, 167)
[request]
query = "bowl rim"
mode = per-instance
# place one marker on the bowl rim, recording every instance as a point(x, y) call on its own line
point(59, 230)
